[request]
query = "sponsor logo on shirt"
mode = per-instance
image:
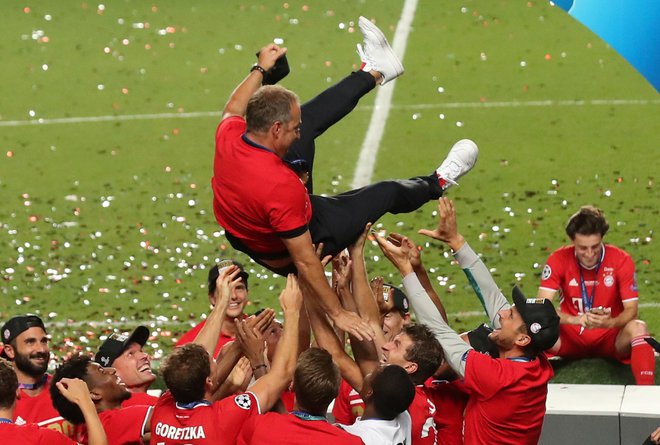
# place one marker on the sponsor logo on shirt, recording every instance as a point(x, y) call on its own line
point(547, 272)
point(573, 282)
point(243, 401)
point(20, 421)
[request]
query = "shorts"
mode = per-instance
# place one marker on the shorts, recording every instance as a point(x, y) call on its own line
point(590, 343)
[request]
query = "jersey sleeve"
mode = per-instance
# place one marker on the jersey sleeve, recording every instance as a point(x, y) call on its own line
point(341, 410)
point(235, 411)
point(551, 276)
point(627, 280)
point(484, 375)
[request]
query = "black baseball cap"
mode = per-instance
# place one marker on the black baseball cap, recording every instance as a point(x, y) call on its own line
point(541, 319)
point(214, 272)
point(115, 344)
point(17, 325)
point(400, 300)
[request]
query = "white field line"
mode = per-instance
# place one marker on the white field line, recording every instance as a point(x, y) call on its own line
point(165, 322)
point(439, 105)
point(364, 168)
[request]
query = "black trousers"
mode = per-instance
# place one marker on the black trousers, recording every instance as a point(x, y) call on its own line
point(323, 112)
point(337, 221)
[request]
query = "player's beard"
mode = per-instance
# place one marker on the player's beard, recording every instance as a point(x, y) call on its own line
point(23, 363)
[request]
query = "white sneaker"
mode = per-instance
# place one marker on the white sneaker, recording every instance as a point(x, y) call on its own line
point(460, 160)
point(377, 54)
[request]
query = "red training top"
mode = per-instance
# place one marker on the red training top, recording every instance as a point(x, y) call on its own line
point(289, 429)
point(256, 196)
point(507, 399)
point(203, 422)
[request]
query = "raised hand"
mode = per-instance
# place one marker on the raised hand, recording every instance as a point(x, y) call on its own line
point(447, 230)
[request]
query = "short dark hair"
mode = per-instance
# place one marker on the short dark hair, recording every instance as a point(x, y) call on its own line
point(393, 391)
point(74, 368)
point(269, 104)
point(185, 372)
point(8, 384)
point(589, 220)
point(425, 351)
point(315, 381)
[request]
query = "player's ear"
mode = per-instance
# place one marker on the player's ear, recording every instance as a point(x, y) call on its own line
point(9, 351)
point(411, 367)
point(523, 340)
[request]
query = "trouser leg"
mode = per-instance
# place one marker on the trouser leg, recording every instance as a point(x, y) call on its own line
point(338, 221)
point(325, 110)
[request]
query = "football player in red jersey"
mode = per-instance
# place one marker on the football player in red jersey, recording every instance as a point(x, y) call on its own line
point(519, 376)
point(74, 390)
point(26, 345)
point(189, 413)
point(315, 383)
point(123, 426)
point(125, 353)
point(598, 298)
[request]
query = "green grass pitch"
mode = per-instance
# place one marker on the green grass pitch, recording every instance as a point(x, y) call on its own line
point(106, 218)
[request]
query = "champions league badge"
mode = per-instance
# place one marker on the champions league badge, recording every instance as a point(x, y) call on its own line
point(547, 271)
point(243, 401)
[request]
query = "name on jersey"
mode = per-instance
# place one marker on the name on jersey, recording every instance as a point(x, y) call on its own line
point(185, 433)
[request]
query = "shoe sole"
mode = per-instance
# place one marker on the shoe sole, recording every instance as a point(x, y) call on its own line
point(367, 27)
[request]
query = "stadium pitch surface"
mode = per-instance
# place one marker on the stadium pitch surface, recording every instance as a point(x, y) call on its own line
point(109, 111)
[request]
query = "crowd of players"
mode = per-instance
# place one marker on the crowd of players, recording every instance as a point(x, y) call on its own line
point(252, 379)
point(415, 383)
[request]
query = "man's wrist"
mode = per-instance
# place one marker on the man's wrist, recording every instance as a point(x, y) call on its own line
point(257, 67)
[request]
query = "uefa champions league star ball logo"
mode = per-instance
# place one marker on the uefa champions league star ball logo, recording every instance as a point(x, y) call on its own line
point(547, 271)
point(243, 401)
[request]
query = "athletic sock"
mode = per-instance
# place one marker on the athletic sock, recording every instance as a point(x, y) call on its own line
point(642, 361)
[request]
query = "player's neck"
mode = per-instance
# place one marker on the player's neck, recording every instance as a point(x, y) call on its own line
point(30, 385)
point(7, 413)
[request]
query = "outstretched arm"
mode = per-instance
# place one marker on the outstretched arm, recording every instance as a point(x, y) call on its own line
point(268, 388)
point(327, 339)
point(309, 267)
point(237, 103)
point(454, 347)
point(476, 271)
point(208, 336)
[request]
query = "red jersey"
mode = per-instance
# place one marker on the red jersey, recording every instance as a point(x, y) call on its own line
point(289, 429)
point(204, 422)
point(256, 196)
point(348, 404)
point(190, 336)
point(39, 409)
point(450, 400)
point(139, 398)
point(124, 426)
point(507, 399)
point(31, 434)
point(422, 410)
point(288, 399)
point(614, 284)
